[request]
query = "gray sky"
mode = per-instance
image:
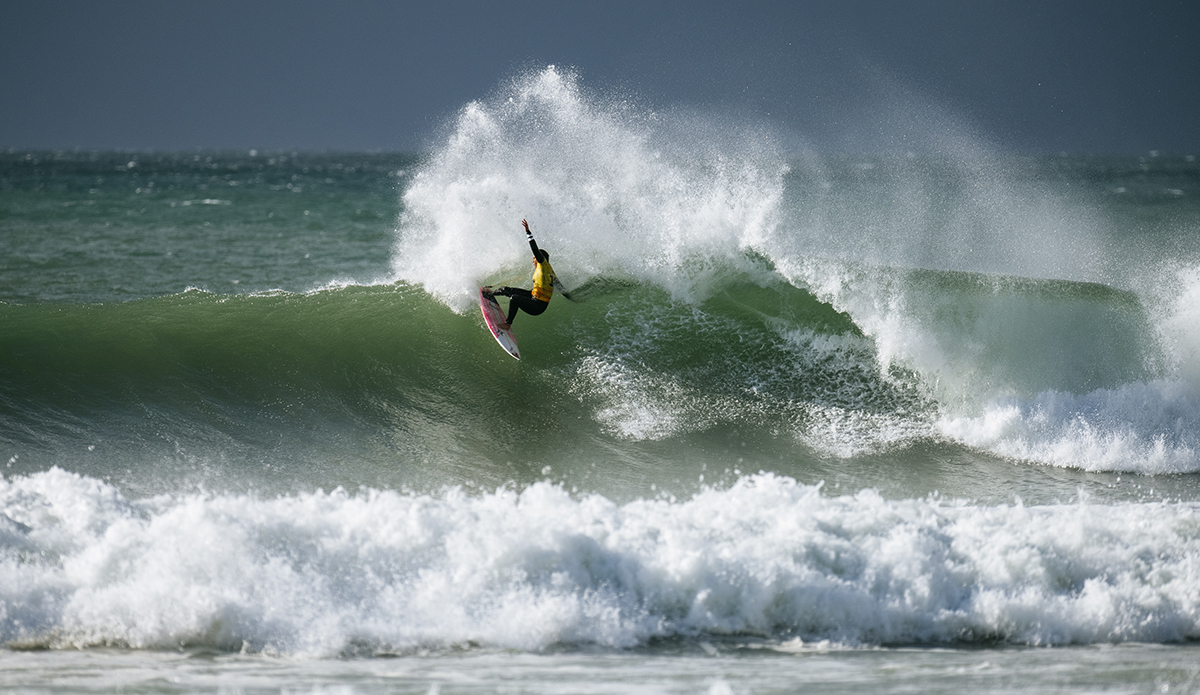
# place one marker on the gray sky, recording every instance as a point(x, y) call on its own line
point(1029, 76)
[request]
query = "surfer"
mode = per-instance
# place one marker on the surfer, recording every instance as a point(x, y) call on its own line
point(534, 301)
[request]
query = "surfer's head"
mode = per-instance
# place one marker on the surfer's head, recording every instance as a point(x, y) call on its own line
point(545, 256)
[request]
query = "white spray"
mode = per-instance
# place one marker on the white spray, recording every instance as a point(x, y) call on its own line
point(606, 186)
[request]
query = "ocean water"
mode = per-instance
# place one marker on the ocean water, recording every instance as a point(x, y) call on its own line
point(896, 422)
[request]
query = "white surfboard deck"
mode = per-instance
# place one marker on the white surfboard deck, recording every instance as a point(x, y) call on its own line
point(494, 317)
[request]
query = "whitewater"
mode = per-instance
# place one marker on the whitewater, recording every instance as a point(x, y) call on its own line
point(921, 418)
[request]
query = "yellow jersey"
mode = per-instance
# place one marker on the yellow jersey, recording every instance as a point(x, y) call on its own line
point(543, 281)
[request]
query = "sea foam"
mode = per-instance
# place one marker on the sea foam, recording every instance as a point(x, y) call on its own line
point(767, 558)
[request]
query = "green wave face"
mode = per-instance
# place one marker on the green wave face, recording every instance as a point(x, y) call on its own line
point(384, 385)
point(407, 387)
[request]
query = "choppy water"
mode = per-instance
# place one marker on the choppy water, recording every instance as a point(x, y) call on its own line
point(855, 422)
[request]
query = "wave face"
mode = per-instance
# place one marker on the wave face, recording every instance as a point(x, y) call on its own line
point(247, 401)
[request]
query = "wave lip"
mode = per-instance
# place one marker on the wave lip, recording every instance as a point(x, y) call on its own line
point(1140, 427)
point(335, 573)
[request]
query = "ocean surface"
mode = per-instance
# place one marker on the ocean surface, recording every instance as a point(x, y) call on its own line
point(899, 422)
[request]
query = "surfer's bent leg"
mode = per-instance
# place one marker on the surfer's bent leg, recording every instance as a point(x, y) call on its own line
point(522, 299)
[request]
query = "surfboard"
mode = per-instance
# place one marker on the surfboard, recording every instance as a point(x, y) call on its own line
point(493, 316)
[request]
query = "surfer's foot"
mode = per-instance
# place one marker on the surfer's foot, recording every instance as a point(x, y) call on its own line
point(504, 326)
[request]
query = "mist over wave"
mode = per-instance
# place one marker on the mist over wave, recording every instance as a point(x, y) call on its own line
point(608, 187)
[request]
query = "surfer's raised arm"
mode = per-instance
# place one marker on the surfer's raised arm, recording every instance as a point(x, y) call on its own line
point(542, 256)
point(537, 253)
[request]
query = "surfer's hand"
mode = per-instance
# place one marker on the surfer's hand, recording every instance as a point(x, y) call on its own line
point(526, 224)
